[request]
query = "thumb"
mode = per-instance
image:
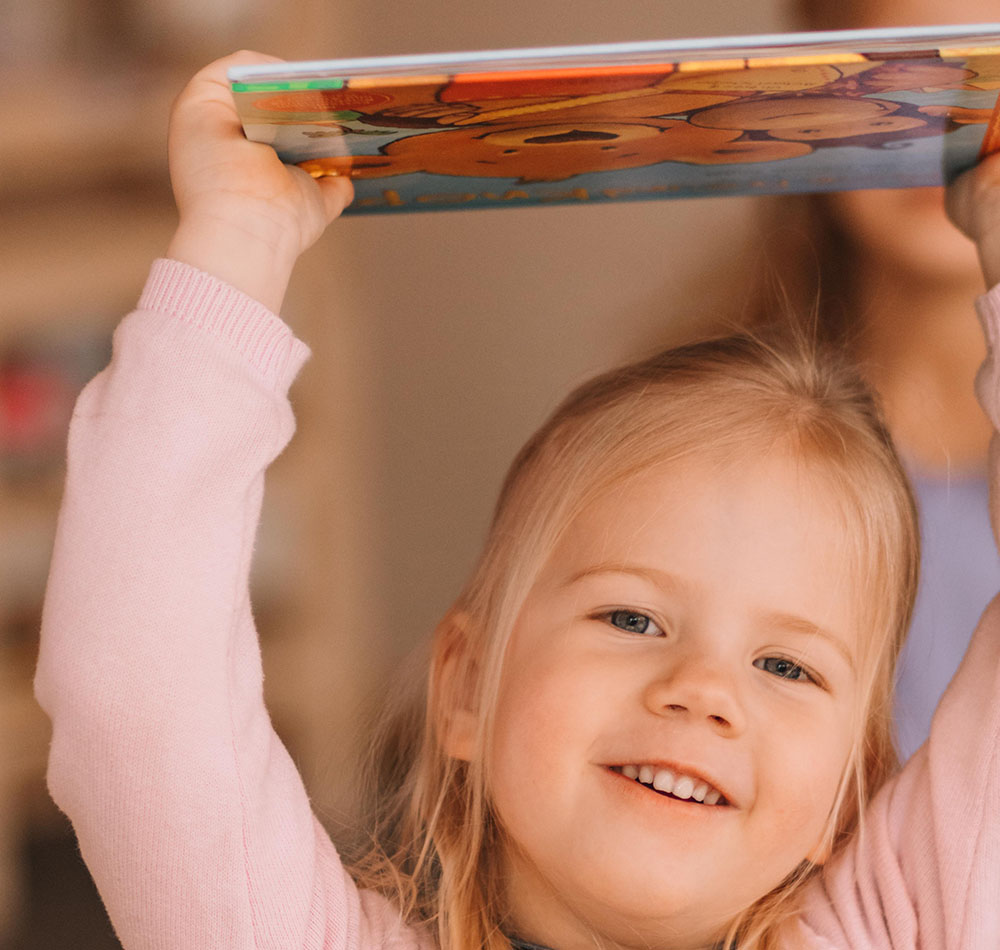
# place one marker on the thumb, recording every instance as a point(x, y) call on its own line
point(973, 199)
point(337, 193)
point(973, 204)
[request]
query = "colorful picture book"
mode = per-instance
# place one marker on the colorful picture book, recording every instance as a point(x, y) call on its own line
point(799, 112)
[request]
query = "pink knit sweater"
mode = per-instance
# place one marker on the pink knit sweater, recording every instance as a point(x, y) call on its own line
point(189, 811)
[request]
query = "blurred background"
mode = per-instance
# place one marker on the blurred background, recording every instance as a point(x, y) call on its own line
point(440, 342)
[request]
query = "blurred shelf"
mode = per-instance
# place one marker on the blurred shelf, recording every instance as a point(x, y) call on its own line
point(86, 205)
point(73, 127)
point(23, 719)
point(79, 259)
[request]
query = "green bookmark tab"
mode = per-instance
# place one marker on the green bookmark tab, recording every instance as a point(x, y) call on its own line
point(288, 85)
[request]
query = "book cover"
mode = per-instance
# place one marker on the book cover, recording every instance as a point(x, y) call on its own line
point(803, 112)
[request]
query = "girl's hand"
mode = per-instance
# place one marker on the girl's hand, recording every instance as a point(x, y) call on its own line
point(244, 216)
point(973, 203)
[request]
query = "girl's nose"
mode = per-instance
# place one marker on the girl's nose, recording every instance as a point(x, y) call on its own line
point(699, 690)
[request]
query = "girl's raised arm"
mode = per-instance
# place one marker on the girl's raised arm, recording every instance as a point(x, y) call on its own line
point(925, 872)
point(189, 812)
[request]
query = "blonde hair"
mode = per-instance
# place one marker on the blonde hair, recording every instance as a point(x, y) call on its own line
point(435, 837)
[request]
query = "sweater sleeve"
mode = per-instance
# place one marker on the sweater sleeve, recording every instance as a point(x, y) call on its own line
point(188, 810)
point(924, 873)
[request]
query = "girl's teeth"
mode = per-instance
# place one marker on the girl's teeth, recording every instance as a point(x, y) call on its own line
point(684, 787)
point(663, 781)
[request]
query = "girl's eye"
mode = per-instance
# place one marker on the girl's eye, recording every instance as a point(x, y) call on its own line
point(631, 621)
point(779, 666)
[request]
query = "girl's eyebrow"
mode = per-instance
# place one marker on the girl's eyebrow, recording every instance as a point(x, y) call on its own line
point(794, 624)
point(662, 579)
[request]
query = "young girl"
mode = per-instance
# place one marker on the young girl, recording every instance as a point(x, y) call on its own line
point(657, 716)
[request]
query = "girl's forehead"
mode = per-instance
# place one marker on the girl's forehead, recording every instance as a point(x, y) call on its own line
point(720, 481)
point(701, 512)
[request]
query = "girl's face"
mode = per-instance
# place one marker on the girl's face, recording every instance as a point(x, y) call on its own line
point(700, 621)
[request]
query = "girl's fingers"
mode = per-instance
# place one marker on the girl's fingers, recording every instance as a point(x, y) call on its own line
point(213, 77)
point(333, 194)
point(973, 204)
point(957, 201)
point(205, 106)
point(337, 194)
point(973, 199)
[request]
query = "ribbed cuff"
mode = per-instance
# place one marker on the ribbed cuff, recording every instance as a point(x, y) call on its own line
point(197, 298)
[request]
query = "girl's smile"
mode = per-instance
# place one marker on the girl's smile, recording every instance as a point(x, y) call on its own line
point(676, 709)
point(679, 783)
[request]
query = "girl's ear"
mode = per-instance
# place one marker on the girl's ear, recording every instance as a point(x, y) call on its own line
point(454, 675)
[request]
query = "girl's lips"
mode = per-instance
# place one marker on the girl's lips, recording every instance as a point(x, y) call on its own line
point(676, 780)
point(647, 793)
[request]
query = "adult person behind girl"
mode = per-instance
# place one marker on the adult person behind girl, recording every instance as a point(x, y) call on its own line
point(893, 279)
